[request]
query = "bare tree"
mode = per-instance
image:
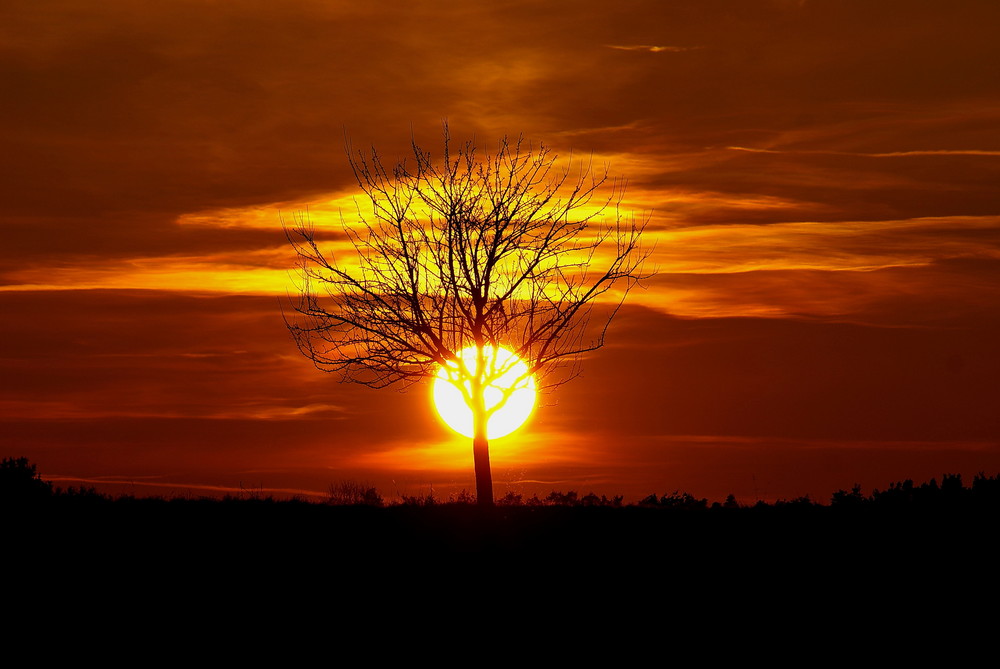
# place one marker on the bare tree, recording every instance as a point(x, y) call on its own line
point(510, 249)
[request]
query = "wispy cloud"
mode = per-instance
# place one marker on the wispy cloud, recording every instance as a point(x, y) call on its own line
point(886, 154)
point(137, 481)
point(67, 410)
point(583, 132)
point(653, 48)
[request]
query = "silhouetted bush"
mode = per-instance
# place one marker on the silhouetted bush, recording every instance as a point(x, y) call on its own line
point(559, 499)
point(20, 480)
point(852, 499)
point(799, 502)
point(463, 497)
point(418, 500)
point(986, 489)
point(510, 499)
point(354, 493)
point(675, 500)
point(82, 493)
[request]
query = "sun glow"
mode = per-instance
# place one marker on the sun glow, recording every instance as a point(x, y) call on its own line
point(512, 379)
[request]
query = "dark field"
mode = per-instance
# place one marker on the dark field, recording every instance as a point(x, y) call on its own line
point(913, 563)
point(903, 528)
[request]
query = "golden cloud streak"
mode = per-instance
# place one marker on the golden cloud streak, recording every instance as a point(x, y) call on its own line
point(325, 213)
point(840, 246)
point(678, 249)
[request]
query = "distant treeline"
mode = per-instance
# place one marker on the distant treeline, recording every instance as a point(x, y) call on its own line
point(942, 531)
point(20, 482)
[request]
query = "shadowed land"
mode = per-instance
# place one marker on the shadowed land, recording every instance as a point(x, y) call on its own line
point(905, 519)
point(919, 550)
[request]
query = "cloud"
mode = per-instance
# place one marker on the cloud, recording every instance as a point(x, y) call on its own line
point(653, 49)
point(890, 154)
point(182, 489)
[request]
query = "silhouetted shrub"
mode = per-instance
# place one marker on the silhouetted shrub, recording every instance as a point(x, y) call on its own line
point(899, 493)
point(418, 500)
point(571, 498)
point(986, 489)
point(354, 493)
point(463, 497)
point(593, 500)
point(675, 500)
point(511, 499)
point(952, 489)
point(560, 499)
point(650, 500)
point(534, 500)
point(844, 499)
point(799, 502)
point(20, 480)
point(84, 493)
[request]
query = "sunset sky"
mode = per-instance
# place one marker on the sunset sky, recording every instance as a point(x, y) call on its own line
point(821, 178)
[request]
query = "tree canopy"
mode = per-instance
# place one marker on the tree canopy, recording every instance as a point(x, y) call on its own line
point(503, 250)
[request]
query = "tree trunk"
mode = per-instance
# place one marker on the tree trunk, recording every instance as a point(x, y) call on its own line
point(481, 456)
point(480, 440)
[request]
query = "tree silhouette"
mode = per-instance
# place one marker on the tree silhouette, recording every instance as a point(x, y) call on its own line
point(20, 480)
point(505, 250)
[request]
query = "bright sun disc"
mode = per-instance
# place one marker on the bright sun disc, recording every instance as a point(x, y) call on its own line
point(456, 413)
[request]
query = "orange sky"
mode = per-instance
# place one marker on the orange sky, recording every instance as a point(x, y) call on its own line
point(821, 179)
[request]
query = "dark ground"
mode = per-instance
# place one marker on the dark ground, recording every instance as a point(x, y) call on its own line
point(903, 553)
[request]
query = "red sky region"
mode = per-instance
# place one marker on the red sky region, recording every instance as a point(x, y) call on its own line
point(821, 180)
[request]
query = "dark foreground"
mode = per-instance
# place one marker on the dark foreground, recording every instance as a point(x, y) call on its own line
point(897, 570)
point(907, 540)
point(563, 562)
point(183, 530)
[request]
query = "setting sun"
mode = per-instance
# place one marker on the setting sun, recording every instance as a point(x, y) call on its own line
point(512, 377)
